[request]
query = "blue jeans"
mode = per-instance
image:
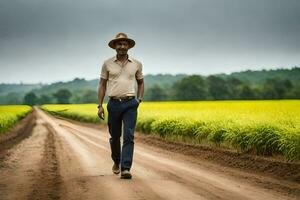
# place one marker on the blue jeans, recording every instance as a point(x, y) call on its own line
point(118, 112)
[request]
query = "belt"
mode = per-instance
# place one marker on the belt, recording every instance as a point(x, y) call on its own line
point(122, 98)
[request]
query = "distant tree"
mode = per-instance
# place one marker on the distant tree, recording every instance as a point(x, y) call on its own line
point(13, 98)
point(30, 99)
point(235, 87)
point(276, 88)
point(287, 84)
point(155, 93)
point(258, 92)
point(89, 96)
point(247, 93)
point(62, 96)
point(295, 92)
point(44, 99)
point(218, 87)
point(269, 92)
point(191, 88)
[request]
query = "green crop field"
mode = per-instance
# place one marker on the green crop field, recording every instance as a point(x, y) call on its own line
point(260, 127)
point(11, 114)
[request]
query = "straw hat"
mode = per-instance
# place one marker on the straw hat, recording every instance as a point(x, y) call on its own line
point(121, 36)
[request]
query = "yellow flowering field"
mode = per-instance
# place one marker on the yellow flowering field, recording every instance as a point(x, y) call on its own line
point(263, 127)
point(10, 114)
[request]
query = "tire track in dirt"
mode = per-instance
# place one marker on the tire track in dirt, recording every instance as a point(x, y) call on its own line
point(47, 182)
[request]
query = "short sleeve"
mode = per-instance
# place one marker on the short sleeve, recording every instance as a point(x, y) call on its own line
point(104, 72)
point(139, 73)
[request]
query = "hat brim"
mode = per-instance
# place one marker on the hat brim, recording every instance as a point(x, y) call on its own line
point(112, 43)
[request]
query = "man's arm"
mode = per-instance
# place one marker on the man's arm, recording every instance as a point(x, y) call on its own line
point(140, 91)
point(101, 90)
point(101, 94)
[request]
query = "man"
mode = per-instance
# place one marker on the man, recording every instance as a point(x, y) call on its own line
point(119, 74)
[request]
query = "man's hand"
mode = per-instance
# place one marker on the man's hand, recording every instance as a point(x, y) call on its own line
point(101, 112)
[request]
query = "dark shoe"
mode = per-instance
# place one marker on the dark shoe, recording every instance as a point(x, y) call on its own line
point(116, 169)
point(125, 174)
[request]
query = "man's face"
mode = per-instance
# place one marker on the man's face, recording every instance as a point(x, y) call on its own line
point(122, 47)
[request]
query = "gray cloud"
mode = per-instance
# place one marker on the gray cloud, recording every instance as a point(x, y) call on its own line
point(58, 40)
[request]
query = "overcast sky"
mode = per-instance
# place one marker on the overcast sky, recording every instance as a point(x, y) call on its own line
point(58, 40)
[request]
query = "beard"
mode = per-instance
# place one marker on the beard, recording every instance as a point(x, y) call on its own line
point(122, 52)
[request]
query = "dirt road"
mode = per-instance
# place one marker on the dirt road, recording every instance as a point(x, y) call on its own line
point(65, 160)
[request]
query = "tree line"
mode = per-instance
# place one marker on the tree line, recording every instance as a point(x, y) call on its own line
point(197, 87)
point(190, 88)
point(61, 96)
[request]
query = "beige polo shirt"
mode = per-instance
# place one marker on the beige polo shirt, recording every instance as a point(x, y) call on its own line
point(121, 77)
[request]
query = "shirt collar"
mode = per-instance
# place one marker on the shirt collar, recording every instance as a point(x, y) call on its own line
point(129, 58)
